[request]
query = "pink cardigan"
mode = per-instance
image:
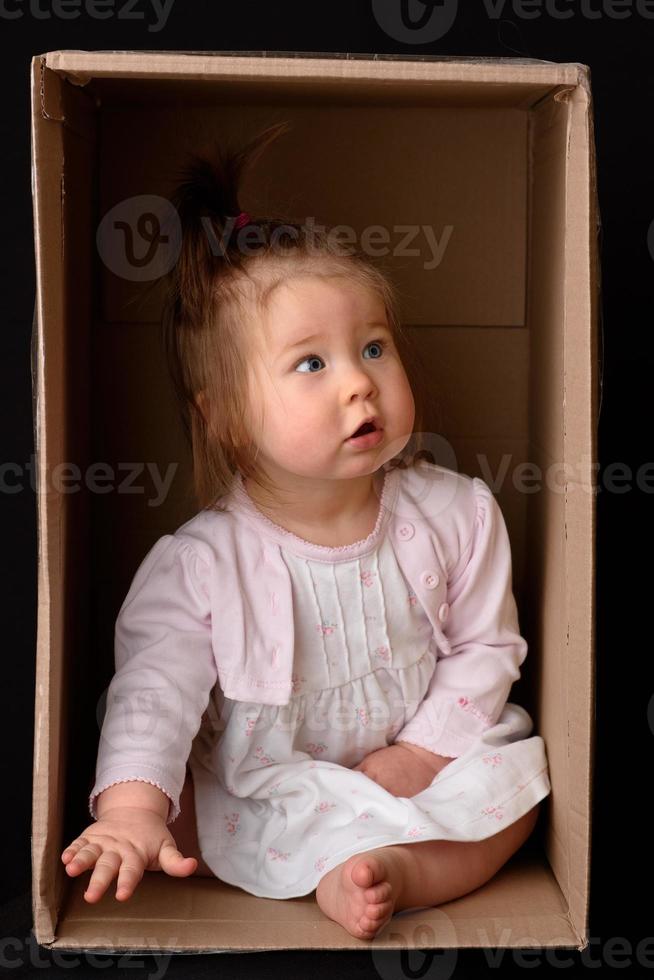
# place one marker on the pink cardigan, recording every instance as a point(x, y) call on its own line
point(213, 603)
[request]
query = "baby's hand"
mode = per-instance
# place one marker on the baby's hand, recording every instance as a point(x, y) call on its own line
point(125, 841)
point(402, 769)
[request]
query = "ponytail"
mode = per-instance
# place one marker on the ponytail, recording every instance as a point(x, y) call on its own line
point(207, 202)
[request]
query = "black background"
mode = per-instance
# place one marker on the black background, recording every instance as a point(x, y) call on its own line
point(620, 55)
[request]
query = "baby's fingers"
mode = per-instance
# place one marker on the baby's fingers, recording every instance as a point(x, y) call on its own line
point(128, 878)
point(174, 863)
point(81, 854)
point(107, 864)
point(69, 853)
point(106, 868)
point(130, 871)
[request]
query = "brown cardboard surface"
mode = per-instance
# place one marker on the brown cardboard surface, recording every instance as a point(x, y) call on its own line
point(507, 325)
point(476, 231)
point(64, 237)
point(512, 911)
point(522, 81)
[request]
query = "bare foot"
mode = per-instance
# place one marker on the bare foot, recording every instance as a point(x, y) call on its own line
point(361, 893)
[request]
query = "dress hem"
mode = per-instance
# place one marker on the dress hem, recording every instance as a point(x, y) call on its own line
point(533, 793)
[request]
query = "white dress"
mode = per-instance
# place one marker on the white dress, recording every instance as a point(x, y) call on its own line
point(277, 802)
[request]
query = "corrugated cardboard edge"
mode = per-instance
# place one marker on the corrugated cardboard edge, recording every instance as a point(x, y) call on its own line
point(82, 66)
point(581, 398)
point(42, 904)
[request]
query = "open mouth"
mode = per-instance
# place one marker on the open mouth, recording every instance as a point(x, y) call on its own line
point(366, 427)
point(368, 433)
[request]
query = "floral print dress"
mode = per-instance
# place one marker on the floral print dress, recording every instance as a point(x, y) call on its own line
point(277, 802)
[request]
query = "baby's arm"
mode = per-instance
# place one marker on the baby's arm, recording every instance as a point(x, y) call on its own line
point(133, 793)
point(165, 670)
point(471, 684)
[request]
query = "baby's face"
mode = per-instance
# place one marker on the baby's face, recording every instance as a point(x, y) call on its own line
point(312, 396)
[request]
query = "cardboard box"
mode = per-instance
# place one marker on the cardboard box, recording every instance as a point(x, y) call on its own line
point(501, 151)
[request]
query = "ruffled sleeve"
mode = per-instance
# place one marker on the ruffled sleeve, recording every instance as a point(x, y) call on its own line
point(165, 671)
point(470, 685)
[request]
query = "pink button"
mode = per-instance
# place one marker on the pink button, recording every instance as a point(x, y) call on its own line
point(405, 531)
point(430, 579)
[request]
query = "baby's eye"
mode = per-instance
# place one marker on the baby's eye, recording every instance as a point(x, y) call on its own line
point(311, 357)
point(378, 343)
point(381, 344)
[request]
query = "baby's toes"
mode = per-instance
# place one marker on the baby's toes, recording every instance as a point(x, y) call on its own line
point(365, 928)
point(381, 892)
point(369, 928)
point(365, 871)
point(378, 911)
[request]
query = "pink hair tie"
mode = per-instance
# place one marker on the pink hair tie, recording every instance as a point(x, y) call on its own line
point(242, 219)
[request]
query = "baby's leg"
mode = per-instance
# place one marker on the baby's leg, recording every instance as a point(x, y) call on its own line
point(185, 831)
point(363, 893)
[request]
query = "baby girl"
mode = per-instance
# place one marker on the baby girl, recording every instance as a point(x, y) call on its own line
point(312, 672)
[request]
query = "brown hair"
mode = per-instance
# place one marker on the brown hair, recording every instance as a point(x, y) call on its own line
point(213, 291)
